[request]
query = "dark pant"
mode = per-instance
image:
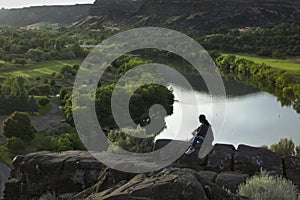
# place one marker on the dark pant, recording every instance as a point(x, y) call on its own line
point(196, 140)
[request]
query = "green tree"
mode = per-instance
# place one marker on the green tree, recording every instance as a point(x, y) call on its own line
point(63, 93)
point(21, 61)
point(124, 139)
point(277, 54)
point(285, 147)
point(15, 146)
point(70, 141)
point(19, 125)
point(35, 54)
point(14, 86)
point(52, 83)
point(77, 50)
point(44, 101)
point(32, 105)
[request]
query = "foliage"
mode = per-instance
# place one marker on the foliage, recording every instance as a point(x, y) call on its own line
point(139, 105)
point(38, 45)
point(44, 101)
point(19, 125)
point(279, 41)
point(67, 69)
point(48, 196)
point(63, 93)
point(14, 98)
point(278, 82)
point(125, 139)
point(13, 86)
point(43, 110)
point(63, 142)
point(33, 105)
point(265, 187)
point(141, 99)
point(288, 65)
point(15, 146)
point(129, 63)
point(285, 147)
point(5, 156)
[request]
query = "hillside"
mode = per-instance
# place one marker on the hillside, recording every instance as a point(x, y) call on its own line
point(54, 14)
point(185, 15)
point(202, 15)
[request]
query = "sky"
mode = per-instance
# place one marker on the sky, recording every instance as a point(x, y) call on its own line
point(27, 3)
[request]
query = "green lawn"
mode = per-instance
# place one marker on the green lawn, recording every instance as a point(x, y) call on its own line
point(42, 69)
point(43, 110)
point(289, 65)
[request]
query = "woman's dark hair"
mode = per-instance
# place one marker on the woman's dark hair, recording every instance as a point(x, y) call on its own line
point(203, 119)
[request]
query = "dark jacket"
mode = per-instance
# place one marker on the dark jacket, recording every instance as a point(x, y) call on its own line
point(202, 130)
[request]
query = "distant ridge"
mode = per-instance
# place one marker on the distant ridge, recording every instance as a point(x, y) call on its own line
point(182, 15)
point(55, 14)
point(202, 15)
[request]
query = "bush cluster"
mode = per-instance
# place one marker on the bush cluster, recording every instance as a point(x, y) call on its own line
point(266, 187)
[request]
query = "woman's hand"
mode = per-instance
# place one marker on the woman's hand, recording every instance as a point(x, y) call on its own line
point(194, 132)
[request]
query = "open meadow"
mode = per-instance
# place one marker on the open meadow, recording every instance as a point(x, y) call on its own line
point(33, 70)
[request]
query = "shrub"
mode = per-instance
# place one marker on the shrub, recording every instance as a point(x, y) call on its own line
point(15, 146)
point(43, 89)
point(44, 101)
point(285, 147)
point(64, 142)
point(266, 187)
point(48, 196)
point(19, 125)
point(52, 83)
point(124, 139)
point(63, 93)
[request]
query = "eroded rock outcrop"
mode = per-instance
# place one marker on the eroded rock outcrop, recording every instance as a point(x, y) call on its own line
point(292, 168)
point(65, 173)
point(249, 160)
point(78, 175)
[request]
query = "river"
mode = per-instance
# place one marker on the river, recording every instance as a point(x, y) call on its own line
point(252, 117)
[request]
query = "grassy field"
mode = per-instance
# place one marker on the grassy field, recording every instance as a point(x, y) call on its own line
point(289, 65)
point(42, 69)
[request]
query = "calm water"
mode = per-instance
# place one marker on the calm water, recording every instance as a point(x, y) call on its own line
point(254, 118)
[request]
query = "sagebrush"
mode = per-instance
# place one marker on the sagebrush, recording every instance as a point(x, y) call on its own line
point(266, 187)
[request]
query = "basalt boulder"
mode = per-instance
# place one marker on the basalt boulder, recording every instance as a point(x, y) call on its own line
point(250, 160)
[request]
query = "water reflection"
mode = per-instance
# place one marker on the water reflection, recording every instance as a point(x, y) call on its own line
point(252, 117)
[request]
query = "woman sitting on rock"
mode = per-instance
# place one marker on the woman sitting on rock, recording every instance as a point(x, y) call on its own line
point(199, 133)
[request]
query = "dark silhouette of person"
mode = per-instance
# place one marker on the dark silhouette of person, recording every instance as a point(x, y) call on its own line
point(199, 133)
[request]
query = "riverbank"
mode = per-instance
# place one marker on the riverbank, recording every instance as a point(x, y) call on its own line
point(290, 65)
point(281, 83)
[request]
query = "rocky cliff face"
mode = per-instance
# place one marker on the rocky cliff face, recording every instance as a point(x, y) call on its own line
point(77, 175)
point(203, 15)
point(117, 10)
point(54, 14)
